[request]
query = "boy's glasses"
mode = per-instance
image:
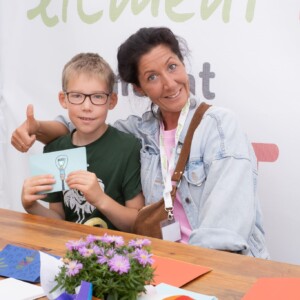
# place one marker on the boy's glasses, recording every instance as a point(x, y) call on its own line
point(79, 98)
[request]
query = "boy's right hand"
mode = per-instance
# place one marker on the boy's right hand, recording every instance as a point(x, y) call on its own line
point(34, 185)
point(25, 135)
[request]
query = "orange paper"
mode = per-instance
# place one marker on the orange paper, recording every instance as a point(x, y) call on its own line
point(275, 289)
point(175, 272)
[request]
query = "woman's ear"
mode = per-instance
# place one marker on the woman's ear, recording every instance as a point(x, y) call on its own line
point(139, 91)
point(62, 97)
point(113, 100)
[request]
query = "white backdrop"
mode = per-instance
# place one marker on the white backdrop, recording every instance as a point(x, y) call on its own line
point(245, 56)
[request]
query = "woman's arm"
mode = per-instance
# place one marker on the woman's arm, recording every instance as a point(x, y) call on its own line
point(31, 130)
point(228, 215)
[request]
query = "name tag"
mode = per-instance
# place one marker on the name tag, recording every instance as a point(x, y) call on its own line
point(170, 230)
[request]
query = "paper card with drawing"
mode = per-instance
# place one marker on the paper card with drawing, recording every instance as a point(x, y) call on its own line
point(59, 164)
point(20, 263)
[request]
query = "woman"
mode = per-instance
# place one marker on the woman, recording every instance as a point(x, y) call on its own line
point(216, 203)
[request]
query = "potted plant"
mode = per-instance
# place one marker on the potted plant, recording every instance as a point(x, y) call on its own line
point(116, 270)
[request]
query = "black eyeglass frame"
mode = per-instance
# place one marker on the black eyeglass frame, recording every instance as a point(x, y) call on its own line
point(89, 96)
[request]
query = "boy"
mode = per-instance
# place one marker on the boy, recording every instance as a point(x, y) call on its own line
point(110, 190)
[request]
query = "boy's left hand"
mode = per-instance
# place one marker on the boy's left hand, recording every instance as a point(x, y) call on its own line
point(87, 183)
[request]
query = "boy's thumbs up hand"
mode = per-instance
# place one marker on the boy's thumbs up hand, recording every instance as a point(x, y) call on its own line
point(32, 123)
point(25, 135)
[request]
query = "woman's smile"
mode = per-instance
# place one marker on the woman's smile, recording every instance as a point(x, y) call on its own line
point(173, 96)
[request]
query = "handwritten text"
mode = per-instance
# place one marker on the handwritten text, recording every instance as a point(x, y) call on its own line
point(116, 8)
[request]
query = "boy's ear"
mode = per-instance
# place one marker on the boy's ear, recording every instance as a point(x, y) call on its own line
point(113, 100)
point(62, 99)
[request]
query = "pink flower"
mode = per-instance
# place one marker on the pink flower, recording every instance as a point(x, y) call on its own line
point(73, 267)
point(91, 238)
point(118, 240)
point(119, 263)
point(96, 249)
point(86, 252)
point(105, 255)
point(109, 239)
point(139, 243)
point(143, 257)
point(102, 259)
point(75, 245)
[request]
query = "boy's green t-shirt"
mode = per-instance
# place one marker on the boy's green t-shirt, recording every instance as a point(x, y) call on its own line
point(115, 159)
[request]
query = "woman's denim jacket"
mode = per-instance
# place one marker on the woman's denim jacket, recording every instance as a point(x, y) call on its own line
point(218, 189)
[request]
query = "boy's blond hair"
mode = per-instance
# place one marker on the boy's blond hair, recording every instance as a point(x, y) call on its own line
point(90, 64)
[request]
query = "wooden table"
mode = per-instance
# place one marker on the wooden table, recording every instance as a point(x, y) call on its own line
point(231, 277)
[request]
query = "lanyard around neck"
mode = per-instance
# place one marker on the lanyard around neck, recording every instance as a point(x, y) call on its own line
point(168, 166)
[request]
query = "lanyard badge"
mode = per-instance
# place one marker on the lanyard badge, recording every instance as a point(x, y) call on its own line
point(170, 228)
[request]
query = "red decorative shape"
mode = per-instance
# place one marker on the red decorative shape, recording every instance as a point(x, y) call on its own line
point(266, 152)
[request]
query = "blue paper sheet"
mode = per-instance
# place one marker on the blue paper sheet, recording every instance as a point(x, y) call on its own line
point(20, 263)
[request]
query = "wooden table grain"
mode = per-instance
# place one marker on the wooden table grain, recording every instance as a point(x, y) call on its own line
point(231, 277)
